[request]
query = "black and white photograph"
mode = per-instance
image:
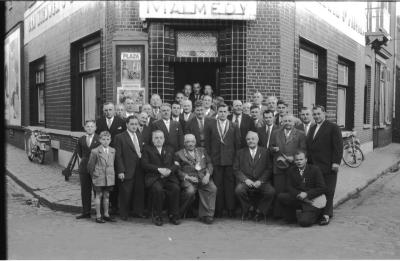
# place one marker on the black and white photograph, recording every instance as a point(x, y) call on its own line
point(192, 130)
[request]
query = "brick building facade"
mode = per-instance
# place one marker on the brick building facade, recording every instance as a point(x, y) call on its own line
point(80, 44)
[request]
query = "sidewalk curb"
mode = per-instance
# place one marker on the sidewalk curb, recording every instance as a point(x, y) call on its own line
point(42, 200)
point(368, 182)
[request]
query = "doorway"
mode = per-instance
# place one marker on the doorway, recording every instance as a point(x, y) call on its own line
point(188, 73)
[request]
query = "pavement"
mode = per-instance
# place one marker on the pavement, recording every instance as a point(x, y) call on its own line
point(46, 182)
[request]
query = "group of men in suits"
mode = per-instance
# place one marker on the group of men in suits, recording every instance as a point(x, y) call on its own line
point(171, 152)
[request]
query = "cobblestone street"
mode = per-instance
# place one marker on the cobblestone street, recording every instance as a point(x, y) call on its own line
point(366, 227)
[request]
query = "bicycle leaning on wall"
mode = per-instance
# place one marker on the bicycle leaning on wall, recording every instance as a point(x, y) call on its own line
point(37, 143)
point(352, 153)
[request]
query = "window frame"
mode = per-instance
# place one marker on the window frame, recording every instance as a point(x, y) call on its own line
point(37, 75)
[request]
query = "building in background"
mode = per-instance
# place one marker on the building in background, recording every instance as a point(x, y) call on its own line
point(76, 55)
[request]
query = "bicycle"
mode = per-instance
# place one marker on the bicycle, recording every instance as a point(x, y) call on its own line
point(352, 153)
point(37, 143)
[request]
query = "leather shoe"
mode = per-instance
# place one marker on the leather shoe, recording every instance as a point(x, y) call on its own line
point(100, 220)
point(324, 220)
point(207, 220)
point(158, 221)
point(109, 219)
point(83, 216)
point(174, 220)
point(139, 216)
point(124, 218)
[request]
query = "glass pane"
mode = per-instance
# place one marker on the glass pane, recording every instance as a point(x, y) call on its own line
point(343, 74)
point(341, 107)
point(309, 94)
point(308, 64)
point(41, 104)
point(89, 58)
point(196, 44)
point(89, 98)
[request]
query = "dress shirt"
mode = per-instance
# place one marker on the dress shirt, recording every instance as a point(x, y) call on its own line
point(253, 152)
point(129, 114)
point(222, 124)
point(159, 149)
point(206, 112)
point(186, 116)
point(109, 121)
point(89, 139)
point(105, 150)
point(175, 118)
point(306, 127)
point(167, 122)
point(287, 132)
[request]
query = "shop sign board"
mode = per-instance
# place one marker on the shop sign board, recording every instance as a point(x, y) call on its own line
point(348, 17)
point(227, 10)
point(45, 14)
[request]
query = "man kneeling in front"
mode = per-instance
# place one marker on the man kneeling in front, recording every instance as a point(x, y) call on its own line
point(253, 169)
point(305, 198)
point(195, 169)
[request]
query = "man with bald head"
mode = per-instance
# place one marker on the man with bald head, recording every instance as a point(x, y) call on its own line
point(284, 143)
point(253, 171)
point(194, 171)
point(243, 121)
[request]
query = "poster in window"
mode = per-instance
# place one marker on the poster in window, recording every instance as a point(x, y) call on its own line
point(137, 94)
point(12, 77)
point(131, 69)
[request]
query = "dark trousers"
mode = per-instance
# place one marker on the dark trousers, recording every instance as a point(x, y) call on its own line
point(330, 181)
point(280, 187)
point(225, 181)
point(162, 189)
point(139, 192)
point(86, 191)
point(264, 196)
point(114, 194)
point(307, 216)
point(125, 196)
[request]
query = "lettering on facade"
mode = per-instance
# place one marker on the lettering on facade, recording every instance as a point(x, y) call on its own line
point(243, 10)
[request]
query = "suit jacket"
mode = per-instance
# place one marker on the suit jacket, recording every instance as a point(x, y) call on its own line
point(296, 141)
point(174, 137)
point(193, 127)
point(327, 146)
point(262, 135)
point(300, 126)
point(152, 160)
point(222, 150)
point(101, 166)
point(187, 164)
point(126, 156)
point(182, 119)
point(146, 135)
point(118, 126)
point(84, 151)
point(246, 125)
point(312, 182)
point(245, 167)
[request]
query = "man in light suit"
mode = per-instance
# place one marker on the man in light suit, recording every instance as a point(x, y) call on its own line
point(305, 184)
point(222, 139)
point(306, 120)
point(84, 146)
point(253, 170)
point(325, 150)
point(128, 146)
point(173, 133)
point(284, 143)
point(194, 171)
point(243, 121)
point(197, 124)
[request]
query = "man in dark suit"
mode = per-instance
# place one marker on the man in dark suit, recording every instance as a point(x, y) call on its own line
point(187, 113)
point(271, 102)
point(114, 125)
point(284, 143)
point(258, 101)
point(197, 92)
point(305, 187)
point(243, 121)
point(127, 160)
point(143, 129)
point(172, 130)
point(197, 124)
point(255, 116)
point(84, 146)
point(306, 120)
point(155, 102)
point(253, 170)
point(207, 103)
point(222, 139)
point(175, 111)
point(160, 177)
point(149, 110)
point(325, 150)
point(265, 132)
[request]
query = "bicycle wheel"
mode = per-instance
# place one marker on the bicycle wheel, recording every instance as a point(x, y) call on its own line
point(352, 156)
point(40, 156)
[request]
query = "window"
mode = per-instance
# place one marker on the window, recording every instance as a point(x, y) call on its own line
point(384, 95)
point(345, 94)
point(378, 16)
point(85, 74)
point(367, 95)
point(37, 92)
point(309, 71)
point(197, 44)
point(309, 93)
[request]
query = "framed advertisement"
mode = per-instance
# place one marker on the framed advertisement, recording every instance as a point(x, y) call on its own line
point(136, 93)
point(12, 77)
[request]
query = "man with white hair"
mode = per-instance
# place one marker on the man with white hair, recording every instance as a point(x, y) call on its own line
point(195, 170)
point(253, 171)
point(155, 102)
point(284, 143)
point(187, 113)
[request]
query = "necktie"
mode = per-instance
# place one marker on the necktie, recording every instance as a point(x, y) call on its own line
point(88, 140)
point(237, 121)
point(136, 144)
point(305, 129)
point(201, 125)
